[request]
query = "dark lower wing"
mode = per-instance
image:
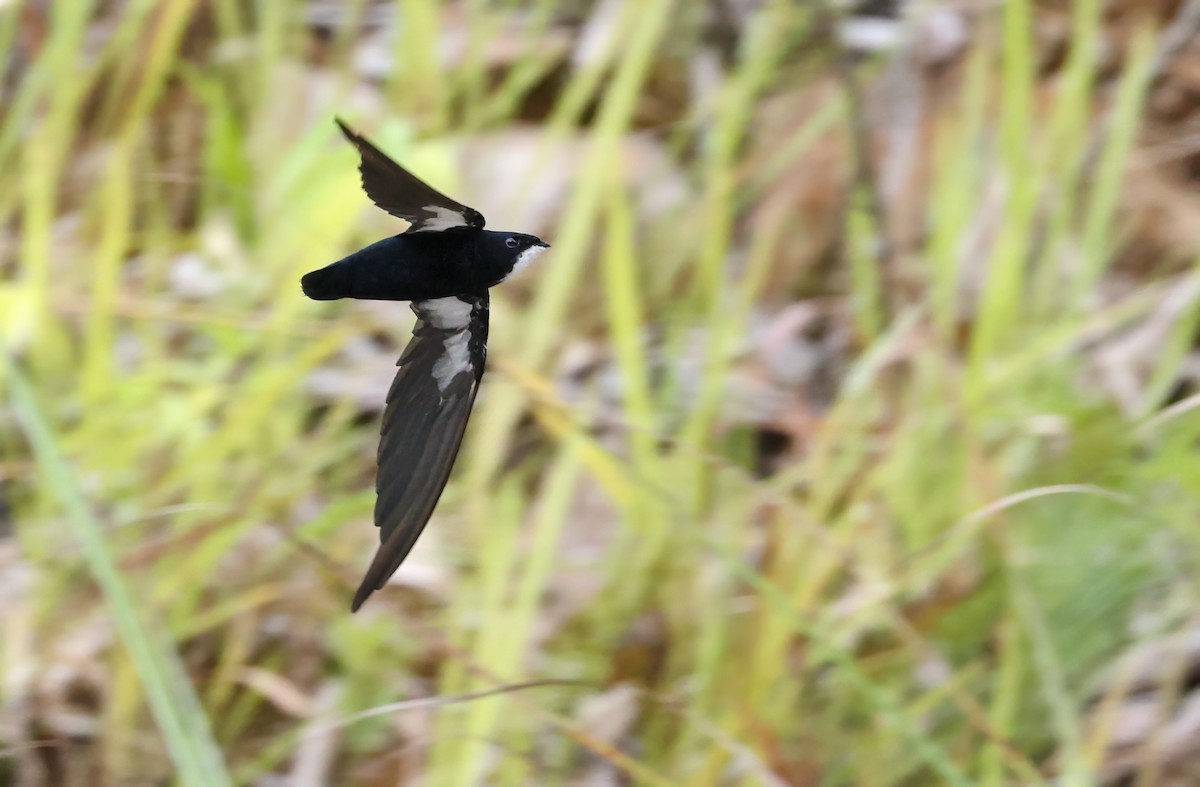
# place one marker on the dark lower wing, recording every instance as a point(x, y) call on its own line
point(423, 424)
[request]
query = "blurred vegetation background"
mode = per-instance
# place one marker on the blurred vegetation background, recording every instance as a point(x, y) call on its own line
point(847, 435)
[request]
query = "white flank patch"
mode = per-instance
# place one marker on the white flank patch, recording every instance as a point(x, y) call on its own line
point(523, 260)
point(443, 219)
point(447, 314)
point(456, 359)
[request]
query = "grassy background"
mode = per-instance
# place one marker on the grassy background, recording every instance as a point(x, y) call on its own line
point(920, 568)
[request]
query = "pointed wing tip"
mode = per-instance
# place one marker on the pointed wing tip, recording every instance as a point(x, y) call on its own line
point(348, 132)
point(376, 577)
point(364, 592)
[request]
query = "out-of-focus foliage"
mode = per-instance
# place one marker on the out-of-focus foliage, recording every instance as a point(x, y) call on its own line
point(848, 434)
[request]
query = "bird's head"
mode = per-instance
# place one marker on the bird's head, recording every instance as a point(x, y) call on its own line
point(516, 249)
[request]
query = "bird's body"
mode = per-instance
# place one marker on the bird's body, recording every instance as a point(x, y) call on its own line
point(444, 264)
point(418, 266)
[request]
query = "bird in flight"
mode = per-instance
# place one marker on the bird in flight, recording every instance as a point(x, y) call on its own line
point(444, 264)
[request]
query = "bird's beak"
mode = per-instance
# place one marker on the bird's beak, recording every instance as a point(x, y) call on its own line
point(543, 244)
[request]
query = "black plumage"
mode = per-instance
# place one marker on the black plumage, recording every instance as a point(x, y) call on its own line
point(444, 263)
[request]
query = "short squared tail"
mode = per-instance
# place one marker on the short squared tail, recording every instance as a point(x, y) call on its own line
point(329, 283)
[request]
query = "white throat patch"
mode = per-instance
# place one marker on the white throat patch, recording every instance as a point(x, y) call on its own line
point(523, 260)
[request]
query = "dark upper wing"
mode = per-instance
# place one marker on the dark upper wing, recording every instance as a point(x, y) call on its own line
point(427, 411)
point(404, 195)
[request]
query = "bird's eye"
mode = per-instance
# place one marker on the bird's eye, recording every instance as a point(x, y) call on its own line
point(511, 243)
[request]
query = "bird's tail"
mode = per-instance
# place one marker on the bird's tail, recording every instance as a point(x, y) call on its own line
point(329, 283)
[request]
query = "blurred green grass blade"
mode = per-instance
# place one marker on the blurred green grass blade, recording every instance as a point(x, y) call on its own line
point(1001, 298)
point(712, 290)
point(866, 282)
point(1064, 164)
point(626, 318)
point(585, 84)
point(169, 692)
point(115, 199)
point(1005, 700)
point(418, 82)
point(954, 204)
point(155, 67)
point(38, 207)
point(759, 53)
point(1019, 72)
point(1124, 120)
point(645, 521)
point(1069, 114)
